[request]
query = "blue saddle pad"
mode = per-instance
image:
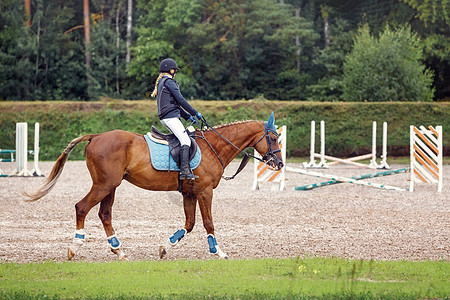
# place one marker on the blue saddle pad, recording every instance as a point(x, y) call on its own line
point(162, 160)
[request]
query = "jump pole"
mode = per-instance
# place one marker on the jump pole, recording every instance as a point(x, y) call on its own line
point(347, 161)
point(330, 182)
point(351, 159)
point(345, 179)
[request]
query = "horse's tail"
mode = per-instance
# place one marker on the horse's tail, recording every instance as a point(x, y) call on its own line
point(56, 171)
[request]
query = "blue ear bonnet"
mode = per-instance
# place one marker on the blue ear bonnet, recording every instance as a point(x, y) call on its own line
point(270, 124)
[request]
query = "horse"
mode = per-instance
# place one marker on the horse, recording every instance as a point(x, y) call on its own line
point(120, 155)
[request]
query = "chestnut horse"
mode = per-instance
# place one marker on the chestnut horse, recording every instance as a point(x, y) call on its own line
point(117, 155)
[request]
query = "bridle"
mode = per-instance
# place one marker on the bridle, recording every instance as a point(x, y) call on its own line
point(270, 154)
point(267, 158)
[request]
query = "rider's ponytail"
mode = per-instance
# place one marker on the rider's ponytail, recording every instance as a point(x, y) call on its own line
point(155, 91)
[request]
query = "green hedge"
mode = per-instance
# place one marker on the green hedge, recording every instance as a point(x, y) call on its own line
point(348, 125)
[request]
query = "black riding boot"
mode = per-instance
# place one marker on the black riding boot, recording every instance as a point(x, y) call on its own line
point(185, 169)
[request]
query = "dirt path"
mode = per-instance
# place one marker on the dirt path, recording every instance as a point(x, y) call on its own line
point(341, 220)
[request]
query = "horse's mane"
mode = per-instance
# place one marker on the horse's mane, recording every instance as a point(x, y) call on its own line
point(230, 124)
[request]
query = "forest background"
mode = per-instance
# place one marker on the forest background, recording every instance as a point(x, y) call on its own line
point(316, 50)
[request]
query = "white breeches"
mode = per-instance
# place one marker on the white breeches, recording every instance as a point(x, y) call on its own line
point(177, 128)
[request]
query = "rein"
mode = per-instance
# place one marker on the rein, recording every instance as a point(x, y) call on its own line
point(247, 155)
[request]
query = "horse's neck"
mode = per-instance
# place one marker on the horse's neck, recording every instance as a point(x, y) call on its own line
point(240, 134)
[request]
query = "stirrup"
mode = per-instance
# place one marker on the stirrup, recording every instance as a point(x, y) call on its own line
point(190, 176)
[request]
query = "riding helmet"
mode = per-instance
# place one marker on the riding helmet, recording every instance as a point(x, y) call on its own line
point(168, 64)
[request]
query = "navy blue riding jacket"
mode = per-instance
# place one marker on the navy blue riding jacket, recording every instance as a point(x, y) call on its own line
point(171, 104)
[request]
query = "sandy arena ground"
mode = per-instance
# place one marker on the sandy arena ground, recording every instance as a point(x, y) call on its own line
point(342, 220)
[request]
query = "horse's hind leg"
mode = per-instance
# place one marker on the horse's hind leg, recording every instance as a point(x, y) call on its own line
point(95, 195)
point(189, 203)
point(105, 214)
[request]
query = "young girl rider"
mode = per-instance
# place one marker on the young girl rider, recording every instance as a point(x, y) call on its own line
point(172, 106)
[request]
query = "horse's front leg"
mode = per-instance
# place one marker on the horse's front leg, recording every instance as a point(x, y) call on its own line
point(205, 203)
point(189, 203)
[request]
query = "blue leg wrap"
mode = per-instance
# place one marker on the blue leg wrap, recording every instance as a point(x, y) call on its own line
point(212, 244)
point(177, 236)
point(114, 242)
point(79, 236)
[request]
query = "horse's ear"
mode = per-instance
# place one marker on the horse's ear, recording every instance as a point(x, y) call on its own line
point(271, 121)
point(270, 124)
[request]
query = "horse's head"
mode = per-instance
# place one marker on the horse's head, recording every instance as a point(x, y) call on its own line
point(270, 149)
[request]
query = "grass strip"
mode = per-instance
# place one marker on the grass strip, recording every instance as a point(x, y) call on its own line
point(299, 278)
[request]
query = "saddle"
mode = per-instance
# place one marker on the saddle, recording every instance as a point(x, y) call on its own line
point(174, 144)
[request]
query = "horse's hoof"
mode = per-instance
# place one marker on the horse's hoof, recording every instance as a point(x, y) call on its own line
point(124, 258)
point(70, 254)
point(162, 252)
point(120, 254)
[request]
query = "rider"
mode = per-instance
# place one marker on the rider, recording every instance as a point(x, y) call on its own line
point(172, 106)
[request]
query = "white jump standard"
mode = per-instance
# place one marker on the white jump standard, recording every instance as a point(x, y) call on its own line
point(312, 161)
point(22, 152)
point(352, 160)
point(373, 162)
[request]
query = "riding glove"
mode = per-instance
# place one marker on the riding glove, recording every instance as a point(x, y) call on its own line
point(193, 120)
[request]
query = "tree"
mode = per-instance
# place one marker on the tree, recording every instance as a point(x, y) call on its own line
point(325, 10)
point(27, 5)
point(246, 48)
point(162, 32)
point(431, 11)
point(329, 63)
point(129, 29)
point(431, 20)
point(230, 49)
point(87, 39)
point(107, 72)
point(387, 68)
point(41, 61)
point(14, 67)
